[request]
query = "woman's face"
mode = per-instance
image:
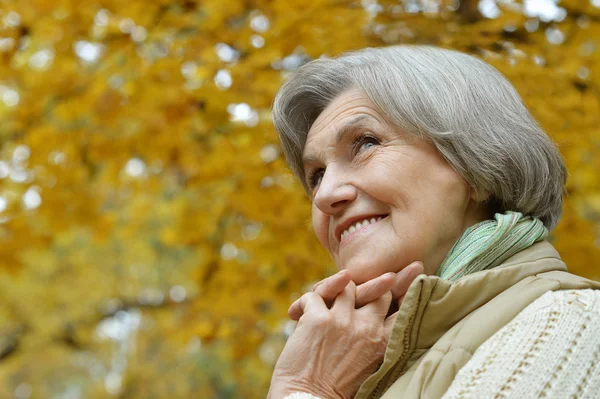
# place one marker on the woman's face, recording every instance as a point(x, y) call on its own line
point(382, 198)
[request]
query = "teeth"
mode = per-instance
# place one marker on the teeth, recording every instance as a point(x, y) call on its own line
point(359, 225)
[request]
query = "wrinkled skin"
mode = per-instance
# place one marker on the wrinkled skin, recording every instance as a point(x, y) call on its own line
point(421, 207)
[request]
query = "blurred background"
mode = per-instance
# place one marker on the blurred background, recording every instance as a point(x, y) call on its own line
point(151, 236)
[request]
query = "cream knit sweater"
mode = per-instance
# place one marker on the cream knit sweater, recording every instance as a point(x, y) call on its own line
point(550, 350)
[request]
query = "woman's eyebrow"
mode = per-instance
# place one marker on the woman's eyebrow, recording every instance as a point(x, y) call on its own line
point(349, 126)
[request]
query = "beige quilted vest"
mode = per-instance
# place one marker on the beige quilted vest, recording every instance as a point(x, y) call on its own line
point(441, 324)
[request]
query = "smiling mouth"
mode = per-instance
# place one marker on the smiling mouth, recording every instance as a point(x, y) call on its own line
point(361, 224)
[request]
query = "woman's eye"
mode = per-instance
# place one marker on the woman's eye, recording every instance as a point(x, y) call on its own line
point(315, 177)
point(364, 143)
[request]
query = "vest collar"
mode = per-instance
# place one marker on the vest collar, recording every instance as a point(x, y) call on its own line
point(432, 305)
point(445, 303)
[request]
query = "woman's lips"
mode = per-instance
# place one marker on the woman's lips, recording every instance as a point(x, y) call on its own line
point(361, 225)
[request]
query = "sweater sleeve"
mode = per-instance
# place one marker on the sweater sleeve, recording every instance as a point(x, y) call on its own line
point(551, 349)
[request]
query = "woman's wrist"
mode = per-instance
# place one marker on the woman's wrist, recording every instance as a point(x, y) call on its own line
point(289, 390)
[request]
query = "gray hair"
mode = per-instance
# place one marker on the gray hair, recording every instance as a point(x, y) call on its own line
point(464, 106)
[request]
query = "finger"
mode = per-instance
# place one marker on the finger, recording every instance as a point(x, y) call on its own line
point(311, 302)
point(405, 277)
point(379, 307)
point(328, 279)
point(345, 301)
point(332, 286)
point(295, 310)
point(327, 288)
point(373, 289)
point(334, 276)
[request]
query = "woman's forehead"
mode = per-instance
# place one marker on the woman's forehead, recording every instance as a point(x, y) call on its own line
point(349, 108)
point(346, 105)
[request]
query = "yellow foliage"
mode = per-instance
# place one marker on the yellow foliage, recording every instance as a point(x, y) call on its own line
point(152, 236)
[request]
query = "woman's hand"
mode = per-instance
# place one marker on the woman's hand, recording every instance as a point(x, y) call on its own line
point(396, 283)
point(332, 351)
point(341, 335)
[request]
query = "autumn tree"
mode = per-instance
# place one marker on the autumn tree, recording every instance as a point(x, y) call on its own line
point(152, 235)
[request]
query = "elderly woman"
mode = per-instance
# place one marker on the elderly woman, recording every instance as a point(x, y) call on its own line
point(434, 190)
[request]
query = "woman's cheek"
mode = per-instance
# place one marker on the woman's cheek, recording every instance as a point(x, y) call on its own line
point(320, 223)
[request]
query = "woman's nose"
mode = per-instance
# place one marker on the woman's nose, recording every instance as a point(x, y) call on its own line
point(335, 193)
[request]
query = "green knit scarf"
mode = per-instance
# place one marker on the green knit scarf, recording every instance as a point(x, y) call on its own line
point(489, 243)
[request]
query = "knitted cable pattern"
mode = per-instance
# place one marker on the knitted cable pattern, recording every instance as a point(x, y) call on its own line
point(489, 243)
point(552, 351)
